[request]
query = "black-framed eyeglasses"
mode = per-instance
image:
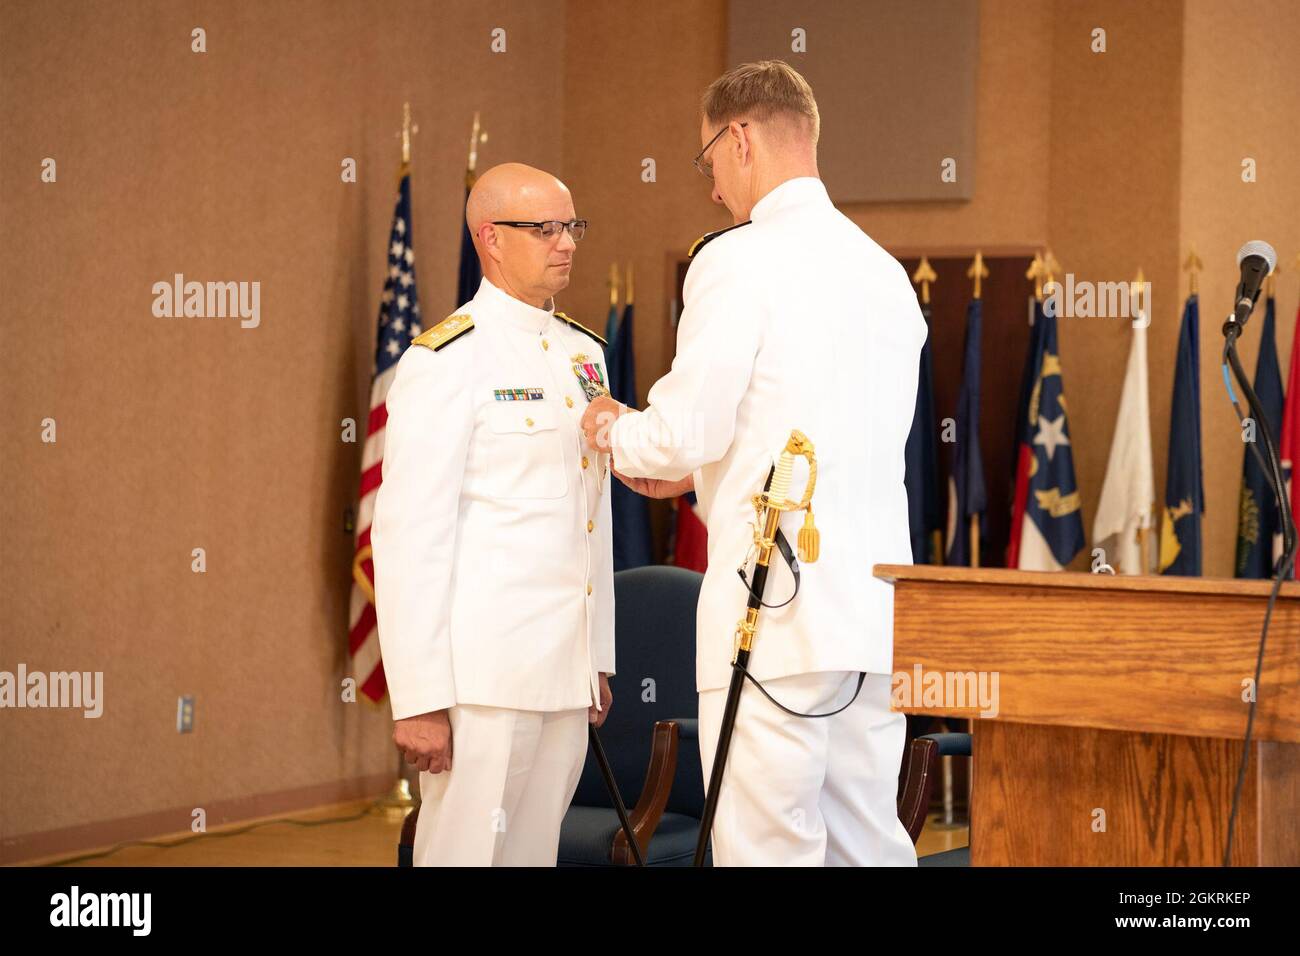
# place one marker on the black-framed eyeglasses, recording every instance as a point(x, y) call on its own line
point(550, 228)
point(705, 166)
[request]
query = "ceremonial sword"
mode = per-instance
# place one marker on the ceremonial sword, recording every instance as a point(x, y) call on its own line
point(769, 505)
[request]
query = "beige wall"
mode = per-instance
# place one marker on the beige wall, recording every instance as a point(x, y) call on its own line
point(1239, 100)
point(1113, 207)
point(1013, 105)
point(182, 433)
point(176, 434)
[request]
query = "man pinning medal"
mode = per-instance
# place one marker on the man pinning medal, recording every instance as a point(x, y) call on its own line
point(793, 319)
point(492, 543)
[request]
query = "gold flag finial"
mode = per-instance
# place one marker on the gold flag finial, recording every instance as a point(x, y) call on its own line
point(1135, 290)
point(631, 285)
point(977, 271)
point(613, 285)
point(477, 135)
point(408, 130)
point(1192, 266)
point(1037, 271)
point(923, 276)
point(1050, 266)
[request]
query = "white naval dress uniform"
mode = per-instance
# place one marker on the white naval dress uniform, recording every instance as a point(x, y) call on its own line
point(493, 573)
point(795, 320)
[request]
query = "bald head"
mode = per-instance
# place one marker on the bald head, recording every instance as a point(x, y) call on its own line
point(513, 191)
point(518, 260)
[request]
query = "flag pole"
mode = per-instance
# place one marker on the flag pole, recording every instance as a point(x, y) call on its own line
point(400, 796)
point(977, 271)
point(1144, 534)
point(477, 135)
point(923, 276)
point(408, 130)
point(1192, 267)
point(612, 319)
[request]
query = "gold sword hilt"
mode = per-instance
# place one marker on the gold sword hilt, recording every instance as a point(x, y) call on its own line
point(777, 496)
point(769, 505)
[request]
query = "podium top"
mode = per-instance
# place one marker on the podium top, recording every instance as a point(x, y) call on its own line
point(1157, 583)
point(1136, 653)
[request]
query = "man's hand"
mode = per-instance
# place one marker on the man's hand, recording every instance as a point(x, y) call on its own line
point(426, 740)
point(657, 487)
point(597, 717)
point(598, 419)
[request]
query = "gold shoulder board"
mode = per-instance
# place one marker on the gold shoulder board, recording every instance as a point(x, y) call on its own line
point(708, 237)
point(448, 330)
point(580, 327)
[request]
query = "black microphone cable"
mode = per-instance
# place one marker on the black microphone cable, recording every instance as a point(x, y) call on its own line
point(1270, 461)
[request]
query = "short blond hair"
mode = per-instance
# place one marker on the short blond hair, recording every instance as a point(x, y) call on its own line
point(762, 91)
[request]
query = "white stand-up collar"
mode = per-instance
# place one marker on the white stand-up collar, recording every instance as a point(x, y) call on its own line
point(510, 310)
point(792, 192)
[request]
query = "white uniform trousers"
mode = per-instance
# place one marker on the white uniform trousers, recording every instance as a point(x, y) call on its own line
point(513, 774)
point(809, 792)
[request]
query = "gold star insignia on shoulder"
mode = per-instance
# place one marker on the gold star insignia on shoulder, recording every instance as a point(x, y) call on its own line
point(580, 327)
point(445, 332)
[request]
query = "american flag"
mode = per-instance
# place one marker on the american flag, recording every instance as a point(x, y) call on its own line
point(399, 322)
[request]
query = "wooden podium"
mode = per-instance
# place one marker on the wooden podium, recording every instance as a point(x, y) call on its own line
point(1120, 716)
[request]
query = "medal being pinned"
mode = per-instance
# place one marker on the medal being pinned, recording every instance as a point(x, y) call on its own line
point(590, 376)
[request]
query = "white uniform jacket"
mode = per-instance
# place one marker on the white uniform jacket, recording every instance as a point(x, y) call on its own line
point(795, 320)
point(491, 533)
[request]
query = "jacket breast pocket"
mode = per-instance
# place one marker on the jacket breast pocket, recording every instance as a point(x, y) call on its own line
point(525, 455)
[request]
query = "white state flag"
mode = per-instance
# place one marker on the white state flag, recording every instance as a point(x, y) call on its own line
point(1129, 492)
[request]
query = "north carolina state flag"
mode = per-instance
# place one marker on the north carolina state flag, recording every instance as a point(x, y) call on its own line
point(1046, 521)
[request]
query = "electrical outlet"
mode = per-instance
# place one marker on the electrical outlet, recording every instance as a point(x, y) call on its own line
point(185, 714)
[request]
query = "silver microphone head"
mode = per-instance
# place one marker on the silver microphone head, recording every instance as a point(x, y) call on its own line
point(1257, 247)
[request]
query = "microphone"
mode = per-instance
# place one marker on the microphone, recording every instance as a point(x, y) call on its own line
point(1256, 260)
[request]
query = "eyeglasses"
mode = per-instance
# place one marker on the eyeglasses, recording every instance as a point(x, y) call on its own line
point(550, 228)
point(705, 166)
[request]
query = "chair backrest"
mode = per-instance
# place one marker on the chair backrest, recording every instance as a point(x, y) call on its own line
point(654, 631)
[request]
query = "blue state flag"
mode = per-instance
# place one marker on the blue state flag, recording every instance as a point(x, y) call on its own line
point(611, 332)
point(1259, 523)
point(630, 513)
point(921, 474)
point(1180, 531)
point(471, 273)
point(967, 494)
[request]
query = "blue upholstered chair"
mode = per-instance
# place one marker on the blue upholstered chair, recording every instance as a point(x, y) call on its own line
point(650, 736)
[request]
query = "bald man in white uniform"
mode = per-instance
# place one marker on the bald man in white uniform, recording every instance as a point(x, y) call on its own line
point(492, 547)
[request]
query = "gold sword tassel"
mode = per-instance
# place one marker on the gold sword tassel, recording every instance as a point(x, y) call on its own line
point(769, 505)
